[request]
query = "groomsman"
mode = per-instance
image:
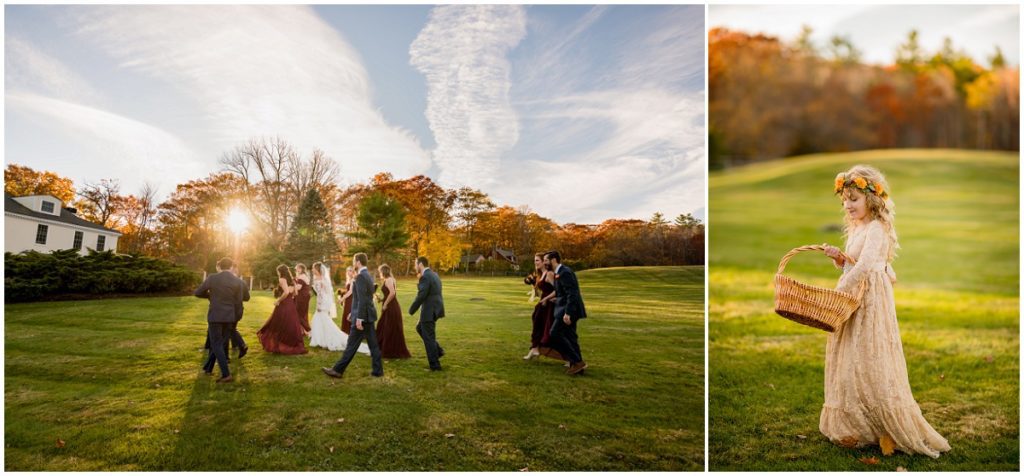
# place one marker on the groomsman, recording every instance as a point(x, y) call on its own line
point(568, 311)
point(364, 315)
point(429, 296)
point(236, 337)
point(224, 290)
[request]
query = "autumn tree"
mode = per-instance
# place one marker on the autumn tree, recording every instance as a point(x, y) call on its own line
point(20, 181)
point(192, 221)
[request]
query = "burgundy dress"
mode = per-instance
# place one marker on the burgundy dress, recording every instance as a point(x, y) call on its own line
point(302, 303)
point(543, 318)
point(346, 326)
point(390, 334)
point(282, 333)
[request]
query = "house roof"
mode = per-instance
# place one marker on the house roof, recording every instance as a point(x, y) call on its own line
point(12, 206)
point(507, 254)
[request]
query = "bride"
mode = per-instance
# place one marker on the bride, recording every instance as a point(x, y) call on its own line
point(323, 332)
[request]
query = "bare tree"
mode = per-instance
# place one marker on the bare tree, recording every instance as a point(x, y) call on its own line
point(100, 202)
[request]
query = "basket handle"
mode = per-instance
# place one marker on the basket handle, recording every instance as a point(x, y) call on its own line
point(793, 252)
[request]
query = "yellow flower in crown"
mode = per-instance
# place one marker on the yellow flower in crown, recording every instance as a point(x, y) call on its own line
point(879, 190)
point(839, 183)
point(861, 182)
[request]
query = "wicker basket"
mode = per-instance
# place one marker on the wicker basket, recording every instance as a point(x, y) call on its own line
point(814, 306)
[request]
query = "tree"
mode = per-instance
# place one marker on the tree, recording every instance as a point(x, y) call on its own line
point(381, 227)
point(443, 248)
point(470, 204)
point(842, 50)
point(909, 55)
point(137, 215)
point(997, 60)
point(686, 221)
point(192, 220)
point(101, 202)
point(21, 181)
point(311, 235)
point(804, 44)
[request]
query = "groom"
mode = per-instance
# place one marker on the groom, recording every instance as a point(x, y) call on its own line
point(225, 292)
point(364, 314)
point(568, 311)
point(429, 296)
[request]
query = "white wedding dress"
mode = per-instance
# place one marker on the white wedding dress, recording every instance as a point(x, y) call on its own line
point(323, 331)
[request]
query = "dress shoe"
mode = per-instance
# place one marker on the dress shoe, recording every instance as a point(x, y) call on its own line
point(229, 378)
point(242, 352)
point(435, 369)
point(330, 372)
point(208, 372)
point(531, 354)
point(377, 375)
point(577, 368)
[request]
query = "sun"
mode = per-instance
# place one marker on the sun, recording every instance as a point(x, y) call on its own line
point(238, 221)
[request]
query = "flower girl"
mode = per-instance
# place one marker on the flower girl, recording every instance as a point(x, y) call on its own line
point(867, 393)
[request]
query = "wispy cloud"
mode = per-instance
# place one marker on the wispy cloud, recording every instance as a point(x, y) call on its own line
point(626, 142)
point(132, 151)
point(260, 70)
point(462, 52)
point(27, 68)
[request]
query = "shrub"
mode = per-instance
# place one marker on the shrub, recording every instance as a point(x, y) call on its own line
point(33, 276)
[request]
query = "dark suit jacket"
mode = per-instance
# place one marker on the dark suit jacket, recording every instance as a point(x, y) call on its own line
point(362, 298)
point(568, 299)
point(224, 290)
point(429, 296)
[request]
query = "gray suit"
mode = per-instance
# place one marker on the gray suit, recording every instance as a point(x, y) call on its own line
point(429, 296)
point(225, 292)
point(364, 310)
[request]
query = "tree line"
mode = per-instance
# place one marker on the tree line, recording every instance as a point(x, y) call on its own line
point(770, 99)
point(299, 213)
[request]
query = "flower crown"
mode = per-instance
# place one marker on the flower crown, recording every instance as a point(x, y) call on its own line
point(861, 184)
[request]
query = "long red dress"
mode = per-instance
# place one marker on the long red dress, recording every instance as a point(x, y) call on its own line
point(390, 334)
point(302, 302)
point(543, 318)
point(346, 326)
point(282, 333)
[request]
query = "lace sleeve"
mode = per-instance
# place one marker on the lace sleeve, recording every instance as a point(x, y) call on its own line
point(875, 251)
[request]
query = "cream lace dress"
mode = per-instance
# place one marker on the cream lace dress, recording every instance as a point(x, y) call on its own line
point(867, 392)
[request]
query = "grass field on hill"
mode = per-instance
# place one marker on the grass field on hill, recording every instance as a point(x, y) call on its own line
point(119, 382)
point(957, 302)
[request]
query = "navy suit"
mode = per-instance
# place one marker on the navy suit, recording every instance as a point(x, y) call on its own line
point(225, 292)
point(364, 310)
point(568, 300)
point(429, 296)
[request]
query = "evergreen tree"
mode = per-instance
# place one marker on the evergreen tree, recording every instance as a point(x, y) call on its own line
point(382, 231)
point(310, 236)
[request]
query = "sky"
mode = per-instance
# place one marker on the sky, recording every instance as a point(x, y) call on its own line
point(582, 113)
point(877, 30)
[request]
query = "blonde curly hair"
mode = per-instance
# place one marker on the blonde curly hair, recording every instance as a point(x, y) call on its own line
point(879, 204)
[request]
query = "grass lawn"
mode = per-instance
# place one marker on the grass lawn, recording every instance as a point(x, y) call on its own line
point(119, 381)
point(956, 299)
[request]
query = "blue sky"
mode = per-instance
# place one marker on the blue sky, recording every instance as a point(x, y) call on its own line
point(878, 29)
point(580, 112)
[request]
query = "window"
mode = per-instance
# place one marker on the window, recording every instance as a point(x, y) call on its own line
point(78, 241)
point(100, 242)
point(47, 206)
point(41, 234)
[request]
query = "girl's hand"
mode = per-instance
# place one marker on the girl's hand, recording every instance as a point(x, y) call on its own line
point(835, 254)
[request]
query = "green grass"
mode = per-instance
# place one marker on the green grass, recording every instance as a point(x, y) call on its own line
point(956, 299)
point(120, 382)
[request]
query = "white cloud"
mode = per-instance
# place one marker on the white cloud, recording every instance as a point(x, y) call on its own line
point(28, 68)
point(462, 52)
point(260, 71)
point(131, 151)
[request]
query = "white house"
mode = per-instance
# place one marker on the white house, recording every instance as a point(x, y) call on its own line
point(41, 223)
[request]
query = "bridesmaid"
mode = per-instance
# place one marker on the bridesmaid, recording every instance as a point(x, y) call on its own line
point(390, 334)
point(346, 299)
point(282, 333)
point(543, 282)
point(302, 295)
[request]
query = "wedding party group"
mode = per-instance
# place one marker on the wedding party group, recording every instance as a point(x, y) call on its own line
point(285, 330)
